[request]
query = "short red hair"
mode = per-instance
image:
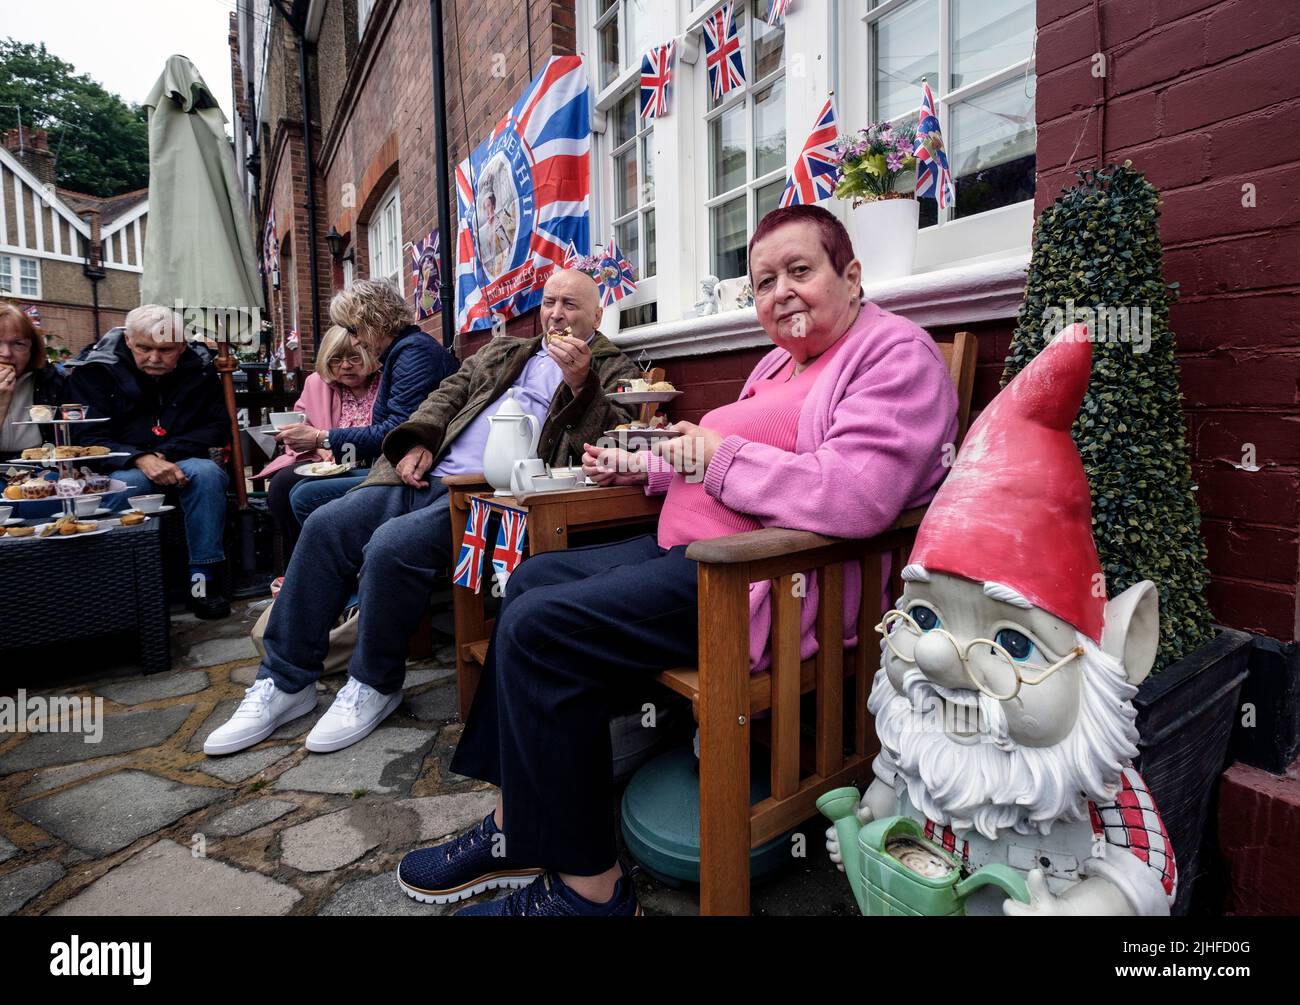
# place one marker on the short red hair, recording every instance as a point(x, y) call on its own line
point(835, 239)
point(12, 314)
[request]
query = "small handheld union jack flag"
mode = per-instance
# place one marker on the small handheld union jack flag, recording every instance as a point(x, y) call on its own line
point(617, 280)
point(656, 81)
point(814, 174)
point(473, 546)
point(933, 176)
point(509, 551)
point(571, 257)
point(776, 11)
point(726, 60)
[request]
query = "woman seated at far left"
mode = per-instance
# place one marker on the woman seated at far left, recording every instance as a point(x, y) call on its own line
point(339, 395)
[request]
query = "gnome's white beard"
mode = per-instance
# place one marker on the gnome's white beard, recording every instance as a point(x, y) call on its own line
point(995, 783)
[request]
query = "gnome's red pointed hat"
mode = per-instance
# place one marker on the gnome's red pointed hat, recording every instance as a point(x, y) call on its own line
point(1016, 509)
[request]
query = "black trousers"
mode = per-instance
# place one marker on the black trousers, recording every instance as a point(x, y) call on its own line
point(277, 501)
point(577, 630)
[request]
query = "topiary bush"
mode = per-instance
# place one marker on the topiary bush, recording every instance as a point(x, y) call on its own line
point(1097, 260)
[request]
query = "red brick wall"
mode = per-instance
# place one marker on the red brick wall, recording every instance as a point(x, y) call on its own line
point(1204, 97)
point(73, 328)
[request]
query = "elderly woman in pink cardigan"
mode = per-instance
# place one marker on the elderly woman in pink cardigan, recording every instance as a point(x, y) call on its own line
point(339, 395)
point(838, 429)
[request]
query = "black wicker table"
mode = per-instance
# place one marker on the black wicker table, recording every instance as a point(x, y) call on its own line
point(53, 590)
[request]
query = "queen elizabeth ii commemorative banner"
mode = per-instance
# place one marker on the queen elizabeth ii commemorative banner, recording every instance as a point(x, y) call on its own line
point(522, 197)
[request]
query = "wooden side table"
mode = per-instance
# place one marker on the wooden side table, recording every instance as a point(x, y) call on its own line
point(553, 517)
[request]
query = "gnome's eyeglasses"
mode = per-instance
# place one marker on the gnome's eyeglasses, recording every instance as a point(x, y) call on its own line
point(901, 633)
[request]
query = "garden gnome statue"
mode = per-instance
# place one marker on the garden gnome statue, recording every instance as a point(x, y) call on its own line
point(1003, 702)
point(708, 302)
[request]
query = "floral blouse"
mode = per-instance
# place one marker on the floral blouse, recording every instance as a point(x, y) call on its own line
point(356, 410)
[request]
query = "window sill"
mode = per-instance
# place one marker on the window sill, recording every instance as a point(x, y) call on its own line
point(977, 290)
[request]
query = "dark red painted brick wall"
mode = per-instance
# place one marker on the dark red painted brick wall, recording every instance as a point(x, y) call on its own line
point(1205, 98)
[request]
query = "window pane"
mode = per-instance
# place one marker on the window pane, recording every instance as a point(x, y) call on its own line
point(609, 59)
point(730, 235)
point(727, 150)
point(768, 198)
point(29, 287)
point(769, 130)
point(625, 235)
point(651, 256)
point(6, 276)
point(604, 5)
point(637, 30)
point(769, 43)
point(746, 56)
point(625, 113)
point(648, 169)
point(625, 183)
point(27, 267)
point(905, 48)
point(992, 148)
point(641, 314)
point(988, 36)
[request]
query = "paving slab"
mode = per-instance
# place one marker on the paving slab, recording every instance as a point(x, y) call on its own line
point(248, 817)
point(438, 704)
point(328, 842)
point(166, 879)
point(107, 814)
point(128, 731)
point(51, 778)
point(244, 675)
point(211, 652)
point(155, 688)
point(7, 850)
point(441, 816)
point(427, 675)
point(380, 896)
point(388, 760)
point(17, 888)
point(238, 767)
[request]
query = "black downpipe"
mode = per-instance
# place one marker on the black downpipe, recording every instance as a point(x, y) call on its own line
point(443, 181)
point(311, 187)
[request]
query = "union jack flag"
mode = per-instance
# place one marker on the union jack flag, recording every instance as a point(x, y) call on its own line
point(776, 12)
point(933, 176)
point(726, 59)
point(656, 81)
point(617, 280)
point(535, 167)
point(34, 314)
point(473, 546)
point(814, 175)
point(571, 257)
point(509, 551)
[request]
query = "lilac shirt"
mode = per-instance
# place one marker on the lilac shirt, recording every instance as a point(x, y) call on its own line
point(533, 390)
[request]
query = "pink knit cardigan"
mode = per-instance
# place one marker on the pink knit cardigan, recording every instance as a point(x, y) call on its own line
point(870, 444)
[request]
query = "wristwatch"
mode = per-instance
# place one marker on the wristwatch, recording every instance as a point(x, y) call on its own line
point(325, 439)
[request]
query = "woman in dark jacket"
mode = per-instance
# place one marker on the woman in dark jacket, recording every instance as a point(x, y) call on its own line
point(26, 378)
point(412, 363)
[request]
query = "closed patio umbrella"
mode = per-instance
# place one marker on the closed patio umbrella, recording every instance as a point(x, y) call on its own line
point(198, 250)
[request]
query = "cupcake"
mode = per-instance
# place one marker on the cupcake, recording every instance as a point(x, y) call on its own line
point(69, 487)
point(98, 483)
point(37, 488)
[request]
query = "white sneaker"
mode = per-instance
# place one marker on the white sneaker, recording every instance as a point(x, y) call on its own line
point(264, 709)
point(357, 710)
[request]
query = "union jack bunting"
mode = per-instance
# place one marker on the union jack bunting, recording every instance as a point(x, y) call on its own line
point(726, 59)
point(473, 546)
point(270, 246)
point(933, 176)
point(426, 269)
point(814, 174)
point(34, 314)
point(509, 551)
point(656, 81)
point(571, 257)
point(617, 280)
point(776, 11)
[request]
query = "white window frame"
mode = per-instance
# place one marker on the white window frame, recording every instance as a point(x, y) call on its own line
point(992, 233)
point(384, 239)
point(742, 96)
point(641, 144)
point(348, 274)
point(14, 268)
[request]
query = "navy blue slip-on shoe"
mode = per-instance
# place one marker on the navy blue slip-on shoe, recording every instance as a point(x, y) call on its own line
point(548, 897)
point(462, 867)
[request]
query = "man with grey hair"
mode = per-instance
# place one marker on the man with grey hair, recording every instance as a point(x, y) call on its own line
point(164, 404)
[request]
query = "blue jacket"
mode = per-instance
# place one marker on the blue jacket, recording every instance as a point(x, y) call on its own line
point(413, 366)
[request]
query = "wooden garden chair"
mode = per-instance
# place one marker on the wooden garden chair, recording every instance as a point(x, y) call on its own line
point(725, 696)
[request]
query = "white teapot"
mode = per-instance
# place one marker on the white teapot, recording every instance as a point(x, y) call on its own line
point(512, 436)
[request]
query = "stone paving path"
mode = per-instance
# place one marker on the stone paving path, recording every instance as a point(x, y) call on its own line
point(143, 822)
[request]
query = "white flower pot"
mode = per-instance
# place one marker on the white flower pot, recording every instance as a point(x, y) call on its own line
point(884, 238)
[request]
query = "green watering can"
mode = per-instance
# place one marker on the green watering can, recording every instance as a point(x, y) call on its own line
point(895, 870)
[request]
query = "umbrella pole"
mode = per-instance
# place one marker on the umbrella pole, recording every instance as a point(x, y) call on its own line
point(226, 365)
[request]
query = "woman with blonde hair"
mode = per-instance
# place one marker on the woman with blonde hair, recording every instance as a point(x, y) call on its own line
point(413, 364)
point(339, 395)
point(25, 380)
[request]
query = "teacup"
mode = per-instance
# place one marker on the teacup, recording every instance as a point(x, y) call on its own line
point(4, 513)
point(86, 505)
point(146, 504)
point(524, 474)
point(554, 484)
point(281, 419)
